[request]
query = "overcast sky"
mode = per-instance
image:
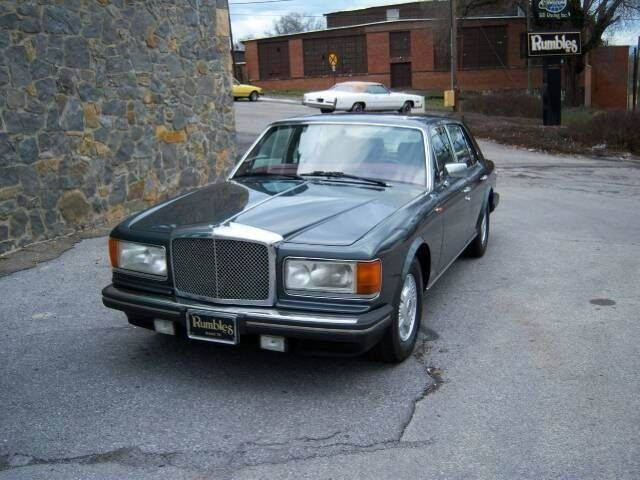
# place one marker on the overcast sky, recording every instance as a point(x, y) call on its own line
point(255, 19)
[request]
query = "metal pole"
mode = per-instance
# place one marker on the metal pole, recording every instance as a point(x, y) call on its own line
point(635, 76)
point(528, 58)
point(454, 53)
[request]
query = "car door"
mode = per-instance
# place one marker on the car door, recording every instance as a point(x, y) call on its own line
point(474, 192)
point(451, 203)
point(377, 97)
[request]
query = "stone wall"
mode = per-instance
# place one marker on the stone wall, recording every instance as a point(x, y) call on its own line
point(108, 106)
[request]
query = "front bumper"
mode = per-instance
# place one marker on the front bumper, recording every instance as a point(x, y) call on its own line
point(364, 329)
point(317, 104)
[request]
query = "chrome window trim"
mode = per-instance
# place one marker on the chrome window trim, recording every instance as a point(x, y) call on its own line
point(239, 232)
point(423, 130)
point(328, 295)
point(472, 154)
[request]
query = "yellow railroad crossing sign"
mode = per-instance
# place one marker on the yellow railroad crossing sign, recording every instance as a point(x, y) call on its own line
point(333, 59)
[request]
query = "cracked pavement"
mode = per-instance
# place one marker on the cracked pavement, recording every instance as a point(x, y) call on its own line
point(528, 365)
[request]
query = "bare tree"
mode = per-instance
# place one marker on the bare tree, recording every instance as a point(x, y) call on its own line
point(593, 18)
point(294, 23)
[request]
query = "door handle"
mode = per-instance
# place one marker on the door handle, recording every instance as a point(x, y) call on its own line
point(466, 189)
point(483, 178)
point(439, 209)
point(467, 198)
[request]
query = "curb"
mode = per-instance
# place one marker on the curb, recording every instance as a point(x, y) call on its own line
point(280, 100)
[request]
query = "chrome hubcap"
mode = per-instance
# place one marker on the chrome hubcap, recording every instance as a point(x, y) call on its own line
point(408, 308)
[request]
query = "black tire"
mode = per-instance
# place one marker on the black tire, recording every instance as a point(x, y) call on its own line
point(479, 244)
point(254, 96)
point(235, 99)
point(358, 107)
point(326, 110)
point(392, 348)
point(406, 108)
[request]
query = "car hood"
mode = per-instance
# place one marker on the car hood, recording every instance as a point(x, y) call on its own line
point(310, 212)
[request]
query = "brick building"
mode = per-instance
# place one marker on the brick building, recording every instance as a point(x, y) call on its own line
point(402, 46)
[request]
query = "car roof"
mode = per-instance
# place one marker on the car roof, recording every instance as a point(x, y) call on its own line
point(419, 121)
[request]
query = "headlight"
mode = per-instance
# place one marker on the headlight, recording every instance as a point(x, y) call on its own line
point(361, 278)
point(138, 257)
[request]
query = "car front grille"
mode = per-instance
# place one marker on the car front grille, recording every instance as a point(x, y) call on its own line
point(220, 269)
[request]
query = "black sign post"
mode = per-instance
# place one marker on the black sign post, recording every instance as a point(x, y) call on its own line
point(551, 46)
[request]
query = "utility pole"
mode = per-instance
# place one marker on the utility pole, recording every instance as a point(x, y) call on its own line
point(635, 75)
point(454, 53)
point(528, 12)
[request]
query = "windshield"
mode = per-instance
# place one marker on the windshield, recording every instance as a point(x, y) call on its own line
point(393, 154)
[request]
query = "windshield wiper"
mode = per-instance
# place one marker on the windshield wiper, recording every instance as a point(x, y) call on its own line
point(256, 174)
point(322, 173)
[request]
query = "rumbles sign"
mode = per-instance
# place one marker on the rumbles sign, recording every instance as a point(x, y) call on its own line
point(541, 44)
point(552, 9)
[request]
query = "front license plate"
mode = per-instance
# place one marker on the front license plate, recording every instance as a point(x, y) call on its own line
point(212, 327)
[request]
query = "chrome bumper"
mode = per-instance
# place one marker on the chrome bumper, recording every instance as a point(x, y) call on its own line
point(316, 104)
point(358, 328)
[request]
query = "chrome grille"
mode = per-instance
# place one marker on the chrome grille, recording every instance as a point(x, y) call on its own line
point(221, 269)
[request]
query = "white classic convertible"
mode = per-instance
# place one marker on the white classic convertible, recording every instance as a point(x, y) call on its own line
point(361, 96)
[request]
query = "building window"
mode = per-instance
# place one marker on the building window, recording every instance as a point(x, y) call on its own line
point(441, 49)
point(484, 47)
point(399, 44)
point(351, 51)
point(393, 14)
point(273, 58)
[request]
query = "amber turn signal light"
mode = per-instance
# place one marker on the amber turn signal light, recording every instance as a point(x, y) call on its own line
point(369, 277)
point(113, 252)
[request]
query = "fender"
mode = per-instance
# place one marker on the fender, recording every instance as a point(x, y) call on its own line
point(411, 252)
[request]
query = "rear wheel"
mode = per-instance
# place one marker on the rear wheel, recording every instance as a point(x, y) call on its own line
point(406, 108)
point(400, 339)
point(358, 107)
point(254, 96)
point(479, 244)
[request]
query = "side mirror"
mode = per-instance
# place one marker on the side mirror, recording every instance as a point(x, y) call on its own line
point(455, 169)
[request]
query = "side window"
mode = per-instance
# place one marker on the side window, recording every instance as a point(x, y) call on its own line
point(377, 89)
point(442, 151)
point(461, 145)
point(272, 150)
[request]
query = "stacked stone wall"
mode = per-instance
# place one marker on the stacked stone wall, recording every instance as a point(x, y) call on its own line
point(106, 107)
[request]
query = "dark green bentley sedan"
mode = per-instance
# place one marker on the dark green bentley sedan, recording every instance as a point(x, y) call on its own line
point(327, 233)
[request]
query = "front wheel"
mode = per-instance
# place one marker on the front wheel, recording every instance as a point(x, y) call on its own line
point(254, 96)
point(326, 110)
point(358, 107)
point(400, 339)
point(406, 108)
point(479, 244)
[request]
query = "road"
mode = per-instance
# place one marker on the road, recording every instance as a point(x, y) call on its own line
point(528, 364)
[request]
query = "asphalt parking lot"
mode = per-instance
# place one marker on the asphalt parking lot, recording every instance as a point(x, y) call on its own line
point(528, 365)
